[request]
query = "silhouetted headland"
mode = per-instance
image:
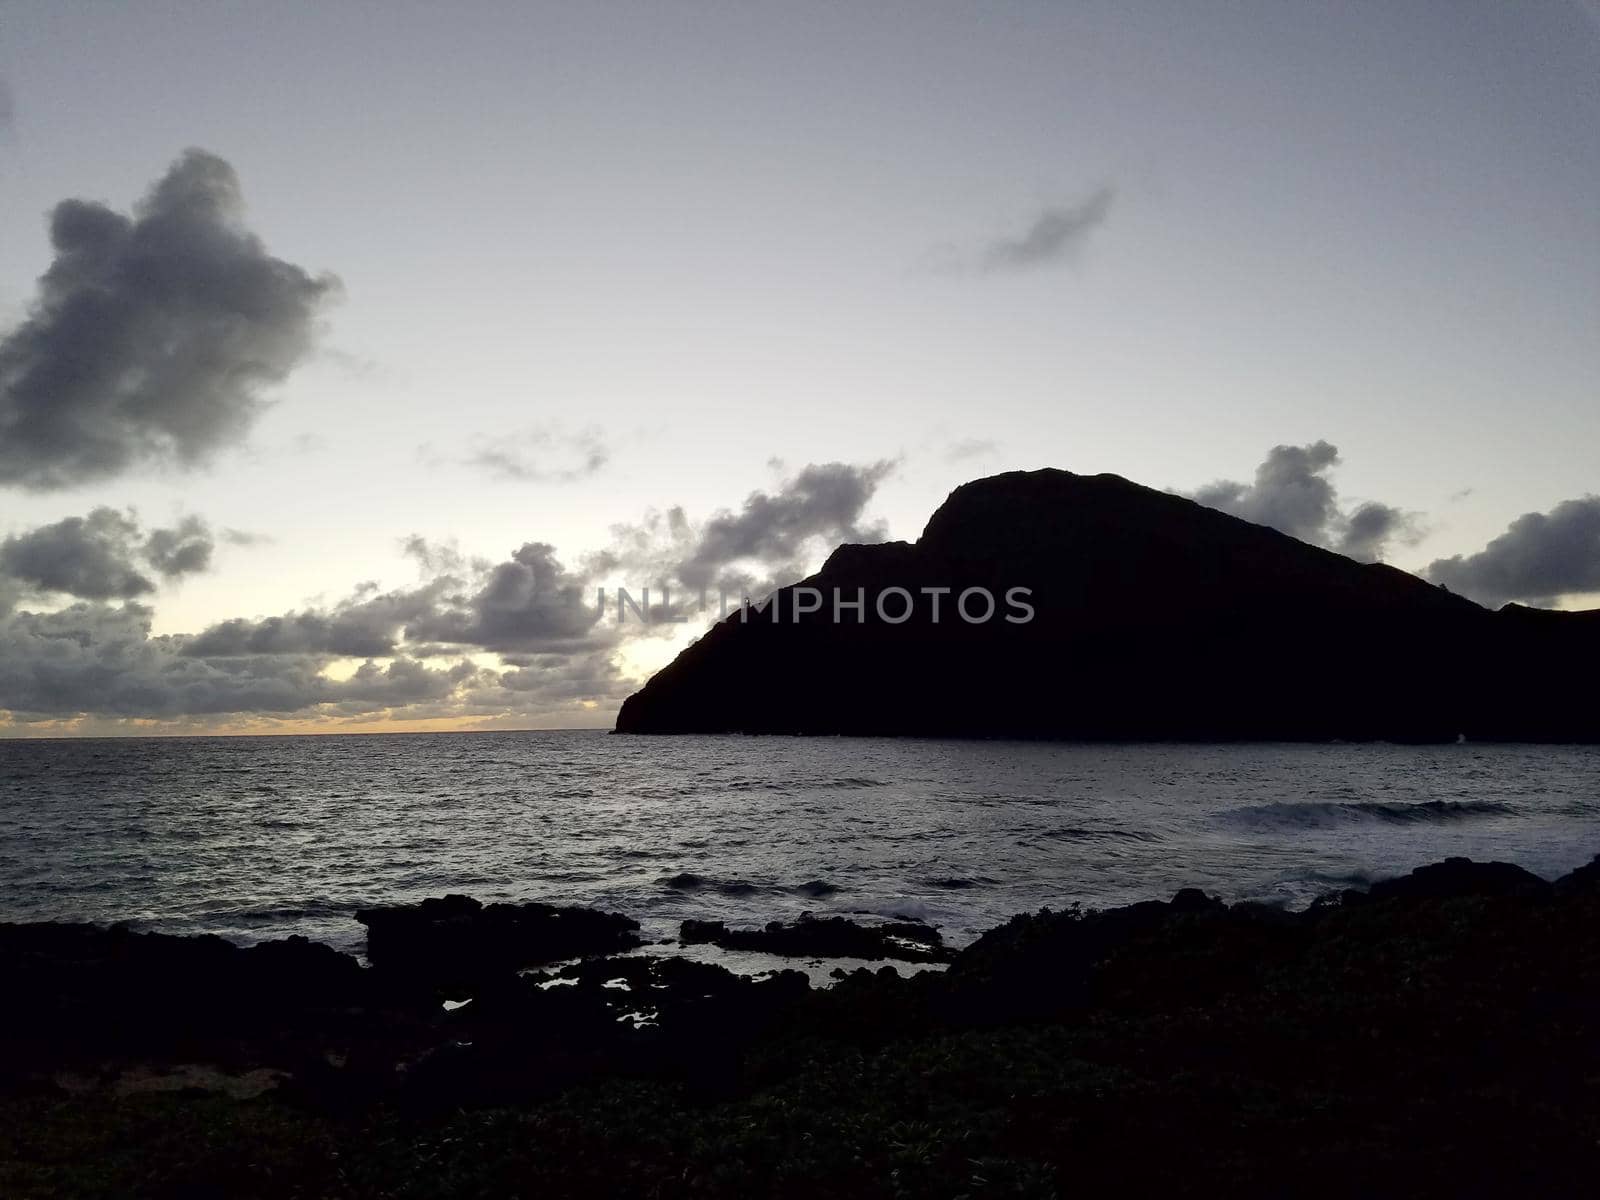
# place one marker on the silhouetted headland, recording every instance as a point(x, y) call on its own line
point(1154, 617)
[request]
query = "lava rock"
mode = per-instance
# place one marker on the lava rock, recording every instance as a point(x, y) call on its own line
point(825, 937)
point(1585, 879)
point(1456, 877)
point(455, 941)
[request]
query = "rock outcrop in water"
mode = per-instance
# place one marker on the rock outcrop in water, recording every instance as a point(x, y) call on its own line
point(455, 941)
point(824, 937)
point(1153, 618)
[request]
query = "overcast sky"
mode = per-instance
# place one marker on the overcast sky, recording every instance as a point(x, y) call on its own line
point(459, 300)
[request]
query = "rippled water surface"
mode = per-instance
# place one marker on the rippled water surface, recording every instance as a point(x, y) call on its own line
point(258, 837)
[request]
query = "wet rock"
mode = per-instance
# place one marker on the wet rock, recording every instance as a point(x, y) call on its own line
point(1456, 877)
point(1191, 900)
point(455, 941)
point(825, 937)
point(80, 993)
point(697, 933)
point(523, 1037)
point(1044, 963)
point(1585, 879)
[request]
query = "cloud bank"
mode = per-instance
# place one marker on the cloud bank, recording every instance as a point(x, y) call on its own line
point(765, 543)
point(102, 556)
point(152, 336)
point(1537, 560)
point(1293, 494)
point(416, 651)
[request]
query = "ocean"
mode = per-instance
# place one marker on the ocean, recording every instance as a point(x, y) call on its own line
point(260, 837)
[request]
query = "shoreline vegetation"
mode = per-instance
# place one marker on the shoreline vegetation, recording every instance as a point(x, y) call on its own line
point(1438, 1034)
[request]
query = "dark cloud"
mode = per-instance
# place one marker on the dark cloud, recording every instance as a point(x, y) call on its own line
point(530, 602)
point(1538, 559)
point(102, 659)
point(769, 541)
point(89, 557)
point(775, 530)
point(99, 557)
point(1370, 528)
point(183, 550)
point(1293, 494)
point(1050, 237)
point(540, 617)
point(152, 335)
point(369, 625)
point(562, 677)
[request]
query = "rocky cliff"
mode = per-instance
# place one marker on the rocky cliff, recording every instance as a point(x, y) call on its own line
point(1123, 612)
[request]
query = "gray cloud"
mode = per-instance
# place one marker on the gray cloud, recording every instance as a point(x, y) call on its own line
point(768, 542)
point(968, 448)
point(368, 625)
point(1050, 237)
point(1368, 530)
point(1293, 494)
point(89, 557)
point(151, 336)
point(529, 602)
point(98, 557)
point(100, 662)
point(563, 677)
point(183, 550)
point(1538, 559)
point(543, 456)
point(774, 530)
point(245, 537)
point(102, 659)
point(558, 656)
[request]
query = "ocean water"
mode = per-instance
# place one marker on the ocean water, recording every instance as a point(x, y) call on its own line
point(254, 838)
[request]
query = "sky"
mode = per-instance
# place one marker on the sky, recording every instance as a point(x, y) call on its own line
point(336, 339)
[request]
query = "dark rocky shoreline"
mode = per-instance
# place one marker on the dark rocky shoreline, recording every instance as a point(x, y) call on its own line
point(1438, 1034)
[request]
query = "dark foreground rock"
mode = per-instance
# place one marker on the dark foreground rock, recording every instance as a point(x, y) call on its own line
point(825, 937)
point(1459, 877)
point(1585, 879)
point(78, 996)
point(1438, 1038)
point(455, 941)
point(640, 1017)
